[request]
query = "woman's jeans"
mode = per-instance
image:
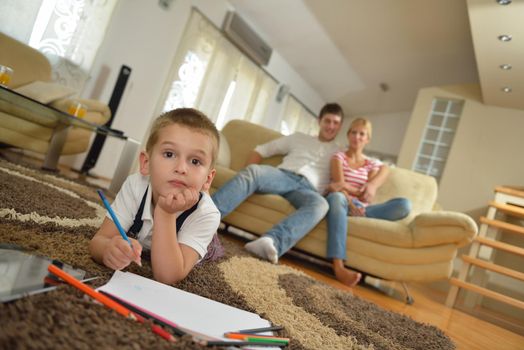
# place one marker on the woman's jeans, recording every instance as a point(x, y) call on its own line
point(394, 209)
point(310, 206)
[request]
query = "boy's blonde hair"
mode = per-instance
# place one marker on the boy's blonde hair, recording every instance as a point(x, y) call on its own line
point(361, 121)
point(190, 118)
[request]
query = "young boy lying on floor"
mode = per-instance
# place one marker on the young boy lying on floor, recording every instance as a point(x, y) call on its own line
point(176, 171)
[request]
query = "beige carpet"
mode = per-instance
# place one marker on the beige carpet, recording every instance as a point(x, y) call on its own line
point(52, 216)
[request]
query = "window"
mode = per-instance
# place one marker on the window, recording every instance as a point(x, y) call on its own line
point(297, 118)
point(68, 32)
point(211, 74)
point(438, 137)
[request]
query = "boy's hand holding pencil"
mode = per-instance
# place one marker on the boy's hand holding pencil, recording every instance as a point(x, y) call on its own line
point(120, 253)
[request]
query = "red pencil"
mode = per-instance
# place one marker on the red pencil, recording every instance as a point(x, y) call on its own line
point(106, 301)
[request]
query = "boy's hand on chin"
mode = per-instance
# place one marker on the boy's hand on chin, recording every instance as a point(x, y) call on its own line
point(178, 200)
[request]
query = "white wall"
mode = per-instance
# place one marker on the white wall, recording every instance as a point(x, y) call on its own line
point(486, 150)
point(388, 131)
point(145, 37)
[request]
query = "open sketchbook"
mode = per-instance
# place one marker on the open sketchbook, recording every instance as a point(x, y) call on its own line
point(187, 310)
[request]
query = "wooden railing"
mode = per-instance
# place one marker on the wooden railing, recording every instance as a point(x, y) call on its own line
point(510, 202)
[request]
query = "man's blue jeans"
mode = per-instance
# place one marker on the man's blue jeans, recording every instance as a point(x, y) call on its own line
point(310, 206)
point(394, 209)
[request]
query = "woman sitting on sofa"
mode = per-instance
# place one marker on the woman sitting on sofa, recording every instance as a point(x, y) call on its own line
point(355, 180)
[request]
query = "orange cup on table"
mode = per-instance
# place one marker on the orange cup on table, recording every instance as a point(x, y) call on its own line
point(77, 109)
point(6, 73)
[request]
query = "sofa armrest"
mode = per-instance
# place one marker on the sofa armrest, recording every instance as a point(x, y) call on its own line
point(443, 227)
point(223, 175)
point(97, 112)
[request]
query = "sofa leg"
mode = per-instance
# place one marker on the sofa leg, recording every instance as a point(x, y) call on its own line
point(390, 288)
point(409, 298)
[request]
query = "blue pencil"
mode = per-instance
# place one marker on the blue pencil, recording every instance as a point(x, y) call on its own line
point(113, 216)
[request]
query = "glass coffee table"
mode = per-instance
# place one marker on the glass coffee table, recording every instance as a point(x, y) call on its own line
point(23, 107)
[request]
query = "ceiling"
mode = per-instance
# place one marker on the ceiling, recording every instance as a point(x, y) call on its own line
point(373, 56)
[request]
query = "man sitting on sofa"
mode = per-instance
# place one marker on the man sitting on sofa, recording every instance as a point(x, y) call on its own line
point(301, 178)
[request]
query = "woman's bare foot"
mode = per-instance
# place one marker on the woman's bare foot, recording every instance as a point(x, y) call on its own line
point(344, 275)
point(348, 277)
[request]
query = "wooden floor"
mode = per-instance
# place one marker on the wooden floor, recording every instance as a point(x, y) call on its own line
point(468, 332)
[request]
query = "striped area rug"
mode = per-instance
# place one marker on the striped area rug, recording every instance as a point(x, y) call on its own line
point(56, 217)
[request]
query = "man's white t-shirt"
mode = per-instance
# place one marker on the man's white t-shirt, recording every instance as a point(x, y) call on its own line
point(197, 230)
point(303, 154)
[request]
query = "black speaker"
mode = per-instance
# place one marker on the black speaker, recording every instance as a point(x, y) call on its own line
point(114, 101)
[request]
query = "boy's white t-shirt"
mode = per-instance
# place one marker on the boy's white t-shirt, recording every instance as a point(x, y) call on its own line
point(196, 232)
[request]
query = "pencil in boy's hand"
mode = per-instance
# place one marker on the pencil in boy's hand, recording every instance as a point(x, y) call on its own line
point(113, 216)
point(117, 224)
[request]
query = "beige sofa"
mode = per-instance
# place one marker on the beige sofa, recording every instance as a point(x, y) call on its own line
point(18, 128)
point(420, 247)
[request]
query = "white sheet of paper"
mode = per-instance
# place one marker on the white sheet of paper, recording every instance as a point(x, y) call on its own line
point(187, 310)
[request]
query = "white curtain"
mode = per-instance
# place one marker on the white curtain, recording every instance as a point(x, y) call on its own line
point(68, 32)
point(266, 90)
point(191, 61)
point(211, 74)
point(297, 118)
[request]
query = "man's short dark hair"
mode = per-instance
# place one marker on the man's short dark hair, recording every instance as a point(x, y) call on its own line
point(331, 108)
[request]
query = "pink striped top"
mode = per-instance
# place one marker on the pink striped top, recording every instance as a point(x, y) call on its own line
point(357, 177)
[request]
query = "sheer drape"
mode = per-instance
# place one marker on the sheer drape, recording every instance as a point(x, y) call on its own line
point(211, 74)
point(297, 118)
point(68, 32)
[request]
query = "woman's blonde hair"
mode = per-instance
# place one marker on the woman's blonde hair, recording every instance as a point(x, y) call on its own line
point(361, 121)
point(190, 118)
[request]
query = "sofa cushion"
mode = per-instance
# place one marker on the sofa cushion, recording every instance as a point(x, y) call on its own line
point(420, 189)
point(18, 139)
point(248, 135)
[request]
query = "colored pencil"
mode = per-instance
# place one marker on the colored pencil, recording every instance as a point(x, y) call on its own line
point(90, 291)
point(233, 343)
point(157, 330)
point(113, 216)
point(260, 330)
point(257, 338)
point(117, 222)
point(106, 301)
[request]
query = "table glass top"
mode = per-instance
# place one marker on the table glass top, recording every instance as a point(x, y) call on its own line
point(47, 115)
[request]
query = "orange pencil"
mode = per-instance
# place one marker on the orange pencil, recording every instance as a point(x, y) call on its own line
point(106, 301)
point(90, 291)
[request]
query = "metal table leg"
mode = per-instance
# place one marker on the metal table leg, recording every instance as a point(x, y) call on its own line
point(55, 147)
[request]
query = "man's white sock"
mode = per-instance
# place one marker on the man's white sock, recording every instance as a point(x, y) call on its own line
point(264, 248)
